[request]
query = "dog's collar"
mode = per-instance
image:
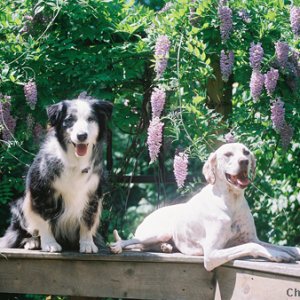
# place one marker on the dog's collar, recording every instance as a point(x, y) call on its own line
point(85, 170)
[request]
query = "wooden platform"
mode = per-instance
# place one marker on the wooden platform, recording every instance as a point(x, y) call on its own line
point(144, 276)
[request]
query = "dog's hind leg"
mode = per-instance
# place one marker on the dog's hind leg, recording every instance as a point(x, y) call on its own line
point(148, 244)
point(36, 225)
point(33, 242)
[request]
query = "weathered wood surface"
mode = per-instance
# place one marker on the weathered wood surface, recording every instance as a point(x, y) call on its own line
point(144, 276)
point(130, 275)
point(257, 280)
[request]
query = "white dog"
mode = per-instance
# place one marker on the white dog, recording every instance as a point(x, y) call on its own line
point(216, 223)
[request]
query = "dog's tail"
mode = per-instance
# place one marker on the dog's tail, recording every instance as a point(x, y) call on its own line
point(10, 239)
point(15, 233)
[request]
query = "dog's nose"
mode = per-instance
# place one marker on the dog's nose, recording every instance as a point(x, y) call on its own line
point(244, 162)
point(82, 137)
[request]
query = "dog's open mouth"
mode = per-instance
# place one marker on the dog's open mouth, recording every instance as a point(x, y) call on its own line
point(240, 180)
point(81, 149)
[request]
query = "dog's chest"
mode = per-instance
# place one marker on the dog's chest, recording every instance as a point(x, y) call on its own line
point(75, 187)
point(242, 230)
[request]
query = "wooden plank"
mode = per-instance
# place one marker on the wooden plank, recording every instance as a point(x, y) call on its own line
point(144, 276)
point(285, 269)
point(242, 284)
point(122, 276)
point(104, 255)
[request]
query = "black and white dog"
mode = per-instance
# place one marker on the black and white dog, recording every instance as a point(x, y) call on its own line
point(61, 207)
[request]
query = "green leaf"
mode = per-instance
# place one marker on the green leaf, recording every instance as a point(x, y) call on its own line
point(39, 9)
point(12, 77)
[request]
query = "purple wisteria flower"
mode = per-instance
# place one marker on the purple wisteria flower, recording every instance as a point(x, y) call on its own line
point(38, 132)
point(7, 121)
point(29, 123)
point(180, 166)
point(256, 55)
point(158, 99)
point(278, 114)
point(162, 48)
point(295, 20)
point(226, 64)
point(271, 78)
point(154, 140)
point(294, 63)
point(244, 15)
point(225, 15)
point(223, 2)
point(282, 53)
point(193, 17)
point(166, 7)
point(30, 92)
point(286, 134)
point(229, 137)
point(256, 84)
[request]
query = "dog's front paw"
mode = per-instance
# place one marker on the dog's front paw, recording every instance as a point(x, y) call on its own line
point(280, 256)
point(88, 247)
point(51, 246)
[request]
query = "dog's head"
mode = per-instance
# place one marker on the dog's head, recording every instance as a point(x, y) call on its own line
point(231, 164)
point(81, 123)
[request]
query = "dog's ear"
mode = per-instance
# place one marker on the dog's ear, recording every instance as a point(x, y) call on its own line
point(209, 168)
point(54, 111)
point(105, 107)
point(253, 165)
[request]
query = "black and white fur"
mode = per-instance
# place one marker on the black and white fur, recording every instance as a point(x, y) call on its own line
point(61, 207)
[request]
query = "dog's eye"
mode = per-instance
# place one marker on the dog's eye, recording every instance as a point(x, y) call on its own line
point(91, 119)
point(246, 152)
point(228, 154)
point(69, 121)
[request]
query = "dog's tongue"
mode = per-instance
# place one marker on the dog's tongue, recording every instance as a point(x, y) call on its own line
point(243, 180)
point(81, 149)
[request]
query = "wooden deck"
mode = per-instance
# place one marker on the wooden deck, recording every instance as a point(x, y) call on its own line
point(144, 276)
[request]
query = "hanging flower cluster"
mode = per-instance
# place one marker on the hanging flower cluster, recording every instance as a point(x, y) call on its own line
point(162, 48)
point(166, 7)
point(226, 64)
point(7, 121)
point(256, 55)
point(158, 99)
point(286, 134)
point(29, 123)
point(243, 14)
point(154, 140)
point(226, 27)
point(271, 78)
point(285, 130)
point(225, 15)
point(282, 53)
point(229, 137)
point(38, 132)
point(256, 84)
point(295, 20)
point(180, 166)
point(293, 64)
point(30, 92)
point(278, 114)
